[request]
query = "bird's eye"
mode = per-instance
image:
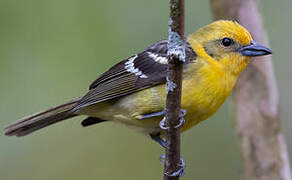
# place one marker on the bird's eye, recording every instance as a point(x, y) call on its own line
point(227, 42)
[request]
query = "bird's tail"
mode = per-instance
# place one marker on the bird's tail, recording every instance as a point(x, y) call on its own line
point(40, 120)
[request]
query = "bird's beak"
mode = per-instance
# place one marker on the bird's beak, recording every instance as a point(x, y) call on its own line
point(254, 49)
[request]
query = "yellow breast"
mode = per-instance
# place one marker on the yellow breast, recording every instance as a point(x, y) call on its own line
point(205, 88)
point(204, 94)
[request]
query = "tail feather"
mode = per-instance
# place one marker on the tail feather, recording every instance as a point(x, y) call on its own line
point(40, 120)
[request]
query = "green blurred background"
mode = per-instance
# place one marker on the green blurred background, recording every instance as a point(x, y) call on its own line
point(50, 51)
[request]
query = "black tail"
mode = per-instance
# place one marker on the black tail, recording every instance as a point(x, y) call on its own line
point(40, 120)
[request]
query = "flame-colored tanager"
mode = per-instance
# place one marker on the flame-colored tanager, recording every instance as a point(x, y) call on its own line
point(133, 93)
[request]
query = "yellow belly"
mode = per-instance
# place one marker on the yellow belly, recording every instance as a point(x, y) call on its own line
point(201, 98)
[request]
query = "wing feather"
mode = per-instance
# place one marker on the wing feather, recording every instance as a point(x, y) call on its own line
point(146, 69)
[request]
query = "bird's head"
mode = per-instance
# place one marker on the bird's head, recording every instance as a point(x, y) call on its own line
point(227, 44)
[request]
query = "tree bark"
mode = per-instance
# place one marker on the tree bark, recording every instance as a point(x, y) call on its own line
point(176, 58)
point(263, 146)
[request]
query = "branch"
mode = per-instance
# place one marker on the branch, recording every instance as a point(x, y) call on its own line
point(262, 144)
point(176, 57)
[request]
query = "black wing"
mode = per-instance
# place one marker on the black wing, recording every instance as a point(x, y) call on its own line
point(138, 72)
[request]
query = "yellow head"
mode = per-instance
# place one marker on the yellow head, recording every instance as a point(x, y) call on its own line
point(226, 44)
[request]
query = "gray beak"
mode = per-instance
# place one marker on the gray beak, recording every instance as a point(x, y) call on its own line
point(254, 49)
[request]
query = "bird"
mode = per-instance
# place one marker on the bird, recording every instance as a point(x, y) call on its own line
point(132, 92)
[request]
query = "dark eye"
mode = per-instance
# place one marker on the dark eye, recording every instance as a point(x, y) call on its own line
point(227, 42)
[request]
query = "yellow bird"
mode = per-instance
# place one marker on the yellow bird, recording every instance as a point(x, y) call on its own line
point(133, 93)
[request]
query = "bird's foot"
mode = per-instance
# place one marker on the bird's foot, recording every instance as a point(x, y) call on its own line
point(179, 172)
point(183, 112)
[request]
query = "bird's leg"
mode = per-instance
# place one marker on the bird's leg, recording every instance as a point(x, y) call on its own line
point(182, 164)
point(158, 139)
point(145, 116)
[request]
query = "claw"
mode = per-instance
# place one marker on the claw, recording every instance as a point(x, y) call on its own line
point(183, 112)
point(161, 158)
point(179, 172)
point(162, 124)
point(181, 122)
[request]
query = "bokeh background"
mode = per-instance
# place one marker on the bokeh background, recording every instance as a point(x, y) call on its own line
point(50, 51)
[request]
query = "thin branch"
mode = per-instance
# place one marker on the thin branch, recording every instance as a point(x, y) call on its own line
point(176, 56)
point(262, 144)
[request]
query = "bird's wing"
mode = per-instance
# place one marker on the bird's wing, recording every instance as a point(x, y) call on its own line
point(138, 72)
